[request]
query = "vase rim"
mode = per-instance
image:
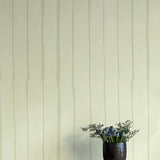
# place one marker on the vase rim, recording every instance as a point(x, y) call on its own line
point(116, 143)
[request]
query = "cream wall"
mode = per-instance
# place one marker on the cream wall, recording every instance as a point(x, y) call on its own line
point(67, 63)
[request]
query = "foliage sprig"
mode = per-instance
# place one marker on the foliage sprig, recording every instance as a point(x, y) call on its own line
point(122, 133)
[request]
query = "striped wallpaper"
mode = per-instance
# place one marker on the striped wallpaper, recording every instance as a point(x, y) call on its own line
point(67, 63)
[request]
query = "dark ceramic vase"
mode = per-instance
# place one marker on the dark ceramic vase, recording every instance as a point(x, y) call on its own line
point(114, 151)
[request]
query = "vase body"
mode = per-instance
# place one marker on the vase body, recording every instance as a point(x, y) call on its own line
point(114, 151)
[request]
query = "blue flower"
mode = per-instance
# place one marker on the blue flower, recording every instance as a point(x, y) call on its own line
point(117, 134)
point(110, 134)
point(114, 133)
point(111, 129)
point(123, 133)
point(107, 130)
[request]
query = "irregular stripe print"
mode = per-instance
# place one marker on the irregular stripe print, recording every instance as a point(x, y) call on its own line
point(90, 102)
point(43, 117)
point(148, 75)
point(42, 58)
point(118, 70)
point(104, 57)
point(13, 78)
point(73, 85)
point(13, 58)
point(27, 37)
point(58, 85)
point(14, 117)
point(89, 37)
point(28, 74)
point(0, 129)
point(27, 115)
point(132, 68)
point(42, 37)
point(132, 116)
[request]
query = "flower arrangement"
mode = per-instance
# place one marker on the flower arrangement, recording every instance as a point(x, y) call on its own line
point(122, 133)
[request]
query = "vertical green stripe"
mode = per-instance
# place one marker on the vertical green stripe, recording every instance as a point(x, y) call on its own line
point(90, 109)
point(90, 103)
point(58, 122)
point(27, 117)
point(58, 85)
point(132, 36)
point(14, 117)
point(0, 68)
point(104, 57)
point(13, 80)
point(43, 118)
point(73, 85)
point(89, 36)
point(74, 118)
point(118, 40)
point(148, 75)
point(0, 71)
point(132, 78)
point(118, 100)
point(28, 74)
point(147, 40)
point(118, 78)
point(13, 58)
point(132, 116)
point(42, 50)
point(0, 128)
point(105, 110)
point(27, 37)
point(73, 40)
point(148, 134)
point(42, 36)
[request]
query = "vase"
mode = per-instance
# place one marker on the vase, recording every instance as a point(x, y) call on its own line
point(114, 151)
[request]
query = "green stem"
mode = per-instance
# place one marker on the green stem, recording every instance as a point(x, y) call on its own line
point(121, 139)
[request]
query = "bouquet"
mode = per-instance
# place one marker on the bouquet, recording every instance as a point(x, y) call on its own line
point(121, 133)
